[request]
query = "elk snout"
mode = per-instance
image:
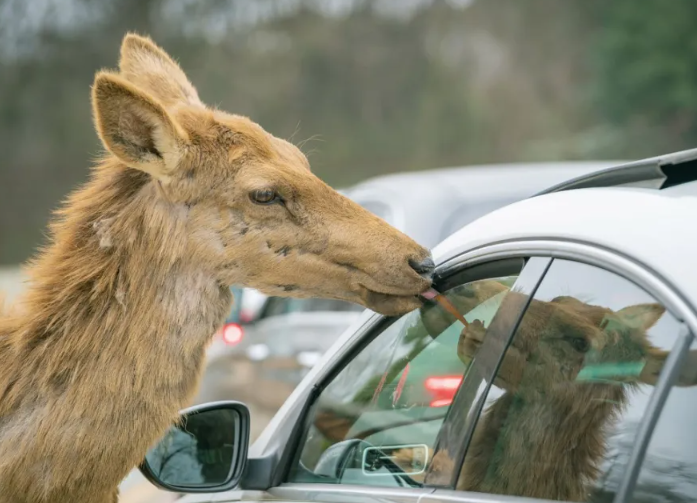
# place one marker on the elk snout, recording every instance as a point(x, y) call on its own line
point(395, 289)
point(424, 267)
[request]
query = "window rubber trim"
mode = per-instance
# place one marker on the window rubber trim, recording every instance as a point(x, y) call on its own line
point(664, 385)
point(532, 274)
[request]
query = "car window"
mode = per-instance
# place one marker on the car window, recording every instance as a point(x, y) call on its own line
point(562, 412)
point(669, 468)
point(376, 422)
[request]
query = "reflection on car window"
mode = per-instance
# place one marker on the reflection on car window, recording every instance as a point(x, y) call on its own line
point(669, 469)
point(573, 385)
point(377, 421)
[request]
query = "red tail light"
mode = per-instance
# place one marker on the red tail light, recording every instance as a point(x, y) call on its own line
point(232, 334)
point(443, 383)
point(443, 389)
point(441, 402)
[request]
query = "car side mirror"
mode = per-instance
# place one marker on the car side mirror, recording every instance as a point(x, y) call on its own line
point(206, 451)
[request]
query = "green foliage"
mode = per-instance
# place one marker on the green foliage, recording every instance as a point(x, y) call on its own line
point(644, 59)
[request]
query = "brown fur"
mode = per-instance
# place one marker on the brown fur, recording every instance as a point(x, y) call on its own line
point(546, 436)
point(107, 344)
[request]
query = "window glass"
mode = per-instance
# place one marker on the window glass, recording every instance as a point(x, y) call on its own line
point(571, 389)
point(669, 468)
point(377, 421)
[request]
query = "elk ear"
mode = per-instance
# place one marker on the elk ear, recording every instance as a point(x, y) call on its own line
point(641, 316)
point(149, 67)
point(655, 360)
point(135, 127)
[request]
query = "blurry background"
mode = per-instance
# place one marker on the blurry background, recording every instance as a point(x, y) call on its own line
point(364, 87)
point(367, 87)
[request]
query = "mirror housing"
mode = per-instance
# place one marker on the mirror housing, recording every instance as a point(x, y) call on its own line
point(204, 452)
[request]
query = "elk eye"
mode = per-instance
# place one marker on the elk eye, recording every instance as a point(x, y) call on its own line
point(580, 344)
point(265, 196)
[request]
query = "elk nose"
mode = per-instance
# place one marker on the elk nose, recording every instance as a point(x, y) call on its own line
point(424, 267)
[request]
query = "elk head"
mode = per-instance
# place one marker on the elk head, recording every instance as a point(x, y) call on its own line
point(251, 211)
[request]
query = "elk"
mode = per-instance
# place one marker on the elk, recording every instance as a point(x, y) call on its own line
point(107, 343)
point(545, 437)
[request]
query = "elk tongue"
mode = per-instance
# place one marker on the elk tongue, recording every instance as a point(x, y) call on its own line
point(434, 295)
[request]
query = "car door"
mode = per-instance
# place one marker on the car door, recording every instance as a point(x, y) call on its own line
point(571, 407)
point(370, 431)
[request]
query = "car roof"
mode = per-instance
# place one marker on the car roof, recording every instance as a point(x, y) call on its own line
point(655, 172)
point(648, 219)
point(482, 180)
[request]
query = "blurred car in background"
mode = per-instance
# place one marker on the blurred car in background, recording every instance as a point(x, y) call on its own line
point(287, 336)
point(246, 306)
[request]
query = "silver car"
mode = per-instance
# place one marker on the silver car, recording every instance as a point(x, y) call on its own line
point(569, 321)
